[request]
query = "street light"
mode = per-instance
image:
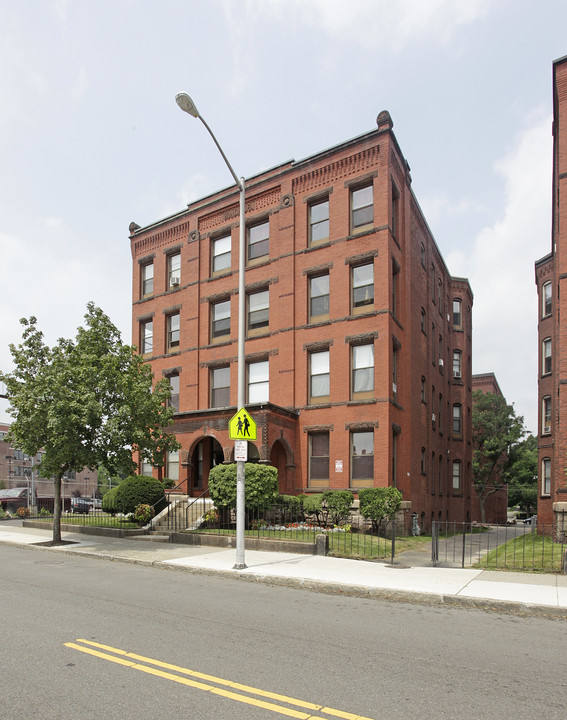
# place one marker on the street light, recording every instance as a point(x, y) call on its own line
point(188, 106)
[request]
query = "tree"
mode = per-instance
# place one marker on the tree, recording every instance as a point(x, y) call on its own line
point(496, 431)
point(85, 403)
point(379, 503)
point(521, 475)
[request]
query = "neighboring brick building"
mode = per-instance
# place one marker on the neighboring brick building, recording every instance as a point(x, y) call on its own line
point(550, 275)
point(496, 504)
point(358, 341)
point(17, 470)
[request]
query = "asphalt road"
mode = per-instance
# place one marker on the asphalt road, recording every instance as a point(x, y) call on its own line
point(68, 623)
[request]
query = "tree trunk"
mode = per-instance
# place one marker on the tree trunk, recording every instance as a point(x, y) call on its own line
point(57, 511)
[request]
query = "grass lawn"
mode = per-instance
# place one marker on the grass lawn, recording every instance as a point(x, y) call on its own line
point(530, 552)
point(93, 521)
point(341, 544)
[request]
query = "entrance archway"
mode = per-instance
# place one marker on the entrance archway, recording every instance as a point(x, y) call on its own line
point(207, 453)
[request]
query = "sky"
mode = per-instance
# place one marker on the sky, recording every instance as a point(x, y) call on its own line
point(91, 138)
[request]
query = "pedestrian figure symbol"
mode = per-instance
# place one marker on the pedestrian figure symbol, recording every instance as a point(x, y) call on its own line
point(242, 426)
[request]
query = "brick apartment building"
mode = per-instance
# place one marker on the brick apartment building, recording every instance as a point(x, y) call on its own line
point(550, 275)
point(358, 340)
point(496, 504)
point(18, 470)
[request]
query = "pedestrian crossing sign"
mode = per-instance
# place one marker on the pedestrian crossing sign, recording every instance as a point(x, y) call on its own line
point(241, 426)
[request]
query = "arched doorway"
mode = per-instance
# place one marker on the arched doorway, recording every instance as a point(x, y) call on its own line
point(278, 458)
point(207, 453)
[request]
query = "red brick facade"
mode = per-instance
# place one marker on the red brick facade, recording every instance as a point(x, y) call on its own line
point(350, 310)
point(550, 275)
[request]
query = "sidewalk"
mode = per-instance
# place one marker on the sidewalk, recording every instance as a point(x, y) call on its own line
point(524, 593)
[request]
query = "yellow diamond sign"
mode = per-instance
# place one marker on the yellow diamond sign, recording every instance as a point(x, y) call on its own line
point(241, 426)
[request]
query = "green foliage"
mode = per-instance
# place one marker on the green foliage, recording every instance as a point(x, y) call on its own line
point(521, 475)
point(168, 484)
point(496, 431)
point(85, 403)
point(379, 503)
point(137, 490)
point(260, 488)
point(143, 513)
point(293, 503)
point(109, 501)
point(338, 504)
point(23, 512)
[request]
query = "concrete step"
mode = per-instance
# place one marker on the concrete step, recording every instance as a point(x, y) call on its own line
point(152, 537)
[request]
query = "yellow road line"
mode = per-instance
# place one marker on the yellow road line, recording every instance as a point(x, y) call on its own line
point(121, 660)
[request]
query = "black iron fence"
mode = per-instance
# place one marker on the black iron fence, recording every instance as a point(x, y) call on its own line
point(521, 546)
point(81, 515)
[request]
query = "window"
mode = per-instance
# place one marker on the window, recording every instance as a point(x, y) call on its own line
point(546, 359)
point(146, 468)
point(423, 461)
point(258, 382)
point(173, 326)
point(174, 385)
point(423, 390)
point(395, 288)
point(172, 468)
point(220, 254)
point(457, 420)
point(362, 459)
point(362, 209)
point(147, 337)
point(319, 374)
point(319, 222)
point(362, 283)
point(173, 270)
point(422, 255)
point(258, 312)
point(220, 321)
point(147, 279)
point(457, 314)
point(546, 415)
point(457, 357)
point(258, 241)
point(439, 414)
point(546, 309)
point(423, 322)
point(395, 210)
point(319, 297)
point(395, 359)
point(220, 387)
point(456, 477)
point(440, 296)
point(319, 459)
point(362, 371)
point(546, 476)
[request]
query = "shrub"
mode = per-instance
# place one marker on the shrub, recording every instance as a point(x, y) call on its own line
point(143, 514)
point(379, 503)
point(137, 490)
point(168, 484)
point(313, 505)
point(338, 504)
point(23, 512)
point(261, 485)
point(109, 501)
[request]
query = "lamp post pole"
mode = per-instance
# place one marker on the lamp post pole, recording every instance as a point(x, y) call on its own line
point(188, 106)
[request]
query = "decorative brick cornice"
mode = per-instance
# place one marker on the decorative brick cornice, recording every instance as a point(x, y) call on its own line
point(178, 233)
point(328, 175)
point(230, 214)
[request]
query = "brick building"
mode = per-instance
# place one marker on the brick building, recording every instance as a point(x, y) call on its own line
point(358, 340)
point(496, 504)
point(550, 275)
point(18, 470)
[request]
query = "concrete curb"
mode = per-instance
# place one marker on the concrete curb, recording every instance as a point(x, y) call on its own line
point(330, 588)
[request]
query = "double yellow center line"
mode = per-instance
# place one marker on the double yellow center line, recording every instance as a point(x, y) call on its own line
point(201, 681)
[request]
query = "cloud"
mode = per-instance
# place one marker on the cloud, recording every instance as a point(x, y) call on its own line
point(500, 268)
point(396, 24)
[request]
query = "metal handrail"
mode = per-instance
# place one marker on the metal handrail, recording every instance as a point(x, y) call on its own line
point(167, 494)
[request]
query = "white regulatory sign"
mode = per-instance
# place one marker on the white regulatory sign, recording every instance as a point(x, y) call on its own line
point(241, 450)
